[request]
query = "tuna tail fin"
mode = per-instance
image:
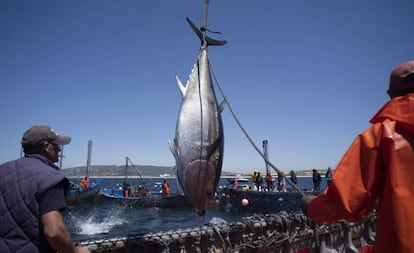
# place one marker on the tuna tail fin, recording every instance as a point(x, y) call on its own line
point(210, 41)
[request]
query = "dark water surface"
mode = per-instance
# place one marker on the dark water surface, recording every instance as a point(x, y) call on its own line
point(110, 221)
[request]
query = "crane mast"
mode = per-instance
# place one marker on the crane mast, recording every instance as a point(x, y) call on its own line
point(88, 160)
point(265, 154)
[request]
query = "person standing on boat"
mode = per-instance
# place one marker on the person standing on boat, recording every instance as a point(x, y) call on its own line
point(328, 176)
point(143, 190)
point(281, 182)
point(293, 177)
point(165, 188)
point(126, 188)
point(253, 177)
point(33, 195)
point(235, 184)
point(84, 183)
point(317, 179)
point(379, 166)
point(269, 181)
point(259, 182)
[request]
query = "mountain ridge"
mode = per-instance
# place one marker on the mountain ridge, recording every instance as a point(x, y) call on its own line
point(119, 171)
point(116, 171)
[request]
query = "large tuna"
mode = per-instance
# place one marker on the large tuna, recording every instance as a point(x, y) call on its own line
point(199, 140)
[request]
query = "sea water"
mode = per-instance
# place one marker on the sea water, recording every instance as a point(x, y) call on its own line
point(104, 221)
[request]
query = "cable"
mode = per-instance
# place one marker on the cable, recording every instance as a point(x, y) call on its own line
point(248, 136)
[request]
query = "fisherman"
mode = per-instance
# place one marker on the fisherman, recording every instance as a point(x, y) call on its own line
point(269, 181)
point(126, 189)
point(293, 177)
point(253, 177)
point(33, 196)
point(131, 191)
point(235, 183)
point(165, 188)
point(84, 183)
point(281, 182)
point(328, 176)
point(317, 179)
point(259, 182)
point(143, 190)
point(379, 167)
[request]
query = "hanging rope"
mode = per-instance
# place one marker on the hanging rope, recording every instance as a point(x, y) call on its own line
point(204, 22)
point(248, 136)
point(204, 16)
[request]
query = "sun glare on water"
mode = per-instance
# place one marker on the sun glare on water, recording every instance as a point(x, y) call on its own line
point(93, 224)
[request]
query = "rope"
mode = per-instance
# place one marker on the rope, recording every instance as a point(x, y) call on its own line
point(204, 16)
point(223, 242)
point(248, 136)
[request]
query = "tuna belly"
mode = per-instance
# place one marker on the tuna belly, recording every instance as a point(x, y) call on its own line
point(198, 183)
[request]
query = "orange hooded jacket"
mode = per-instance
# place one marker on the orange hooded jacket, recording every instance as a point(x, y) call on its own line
point(378, 165)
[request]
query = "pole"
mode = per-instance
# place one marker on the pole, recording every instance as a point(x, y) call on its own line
point(266, 155)
point(88, 159)
point(126, 169)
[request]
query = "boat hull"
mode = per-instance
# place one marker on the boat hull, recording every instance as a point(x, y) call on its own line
point(234, 200)
point(173, 201)
point(83, 197)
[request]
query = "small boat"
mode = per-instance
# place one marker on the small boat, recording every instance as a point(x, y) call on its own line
point(78, 196)
point(141, 196)
point(239, 183)
point(238, 178)
point(127, 190)
point(264, 202)
point(82, 196)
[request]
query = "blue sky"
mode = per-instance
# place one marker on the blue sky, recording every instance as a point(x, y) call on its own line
point(305, 75)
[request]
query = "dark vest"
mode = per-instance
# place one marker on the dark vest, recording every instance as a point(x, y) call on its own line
point(21, 182)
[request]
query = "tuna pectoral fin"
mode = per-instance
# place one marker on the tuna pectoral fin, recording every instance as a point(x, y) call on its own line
point(180, 85)
point(213, 147)
point(173, 147)
point(210, 41)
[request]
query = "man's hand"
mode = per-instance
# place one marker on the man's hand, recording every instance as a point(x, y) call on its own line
point(57, 235)
point(305, 203)
point(82, 250)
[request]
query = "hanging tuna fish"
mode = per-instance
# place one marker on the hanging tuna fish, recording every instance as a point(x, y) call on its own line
point(199, 139)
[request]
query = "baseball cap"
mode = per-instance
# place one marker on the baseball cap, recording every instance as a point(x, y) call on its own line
point(40, 133)
point(399, 81)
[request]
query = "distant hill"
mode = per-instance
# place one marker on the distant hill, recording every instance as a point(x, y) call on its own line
point(147, 171)
point(119, 171)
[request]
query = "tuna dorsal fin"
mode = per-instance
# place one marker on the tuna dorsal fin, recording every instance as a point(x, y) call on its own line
point(181, 86)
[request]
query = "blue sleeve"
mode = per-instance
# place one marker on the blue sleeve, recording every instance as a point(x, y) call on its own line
point(53, 199)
